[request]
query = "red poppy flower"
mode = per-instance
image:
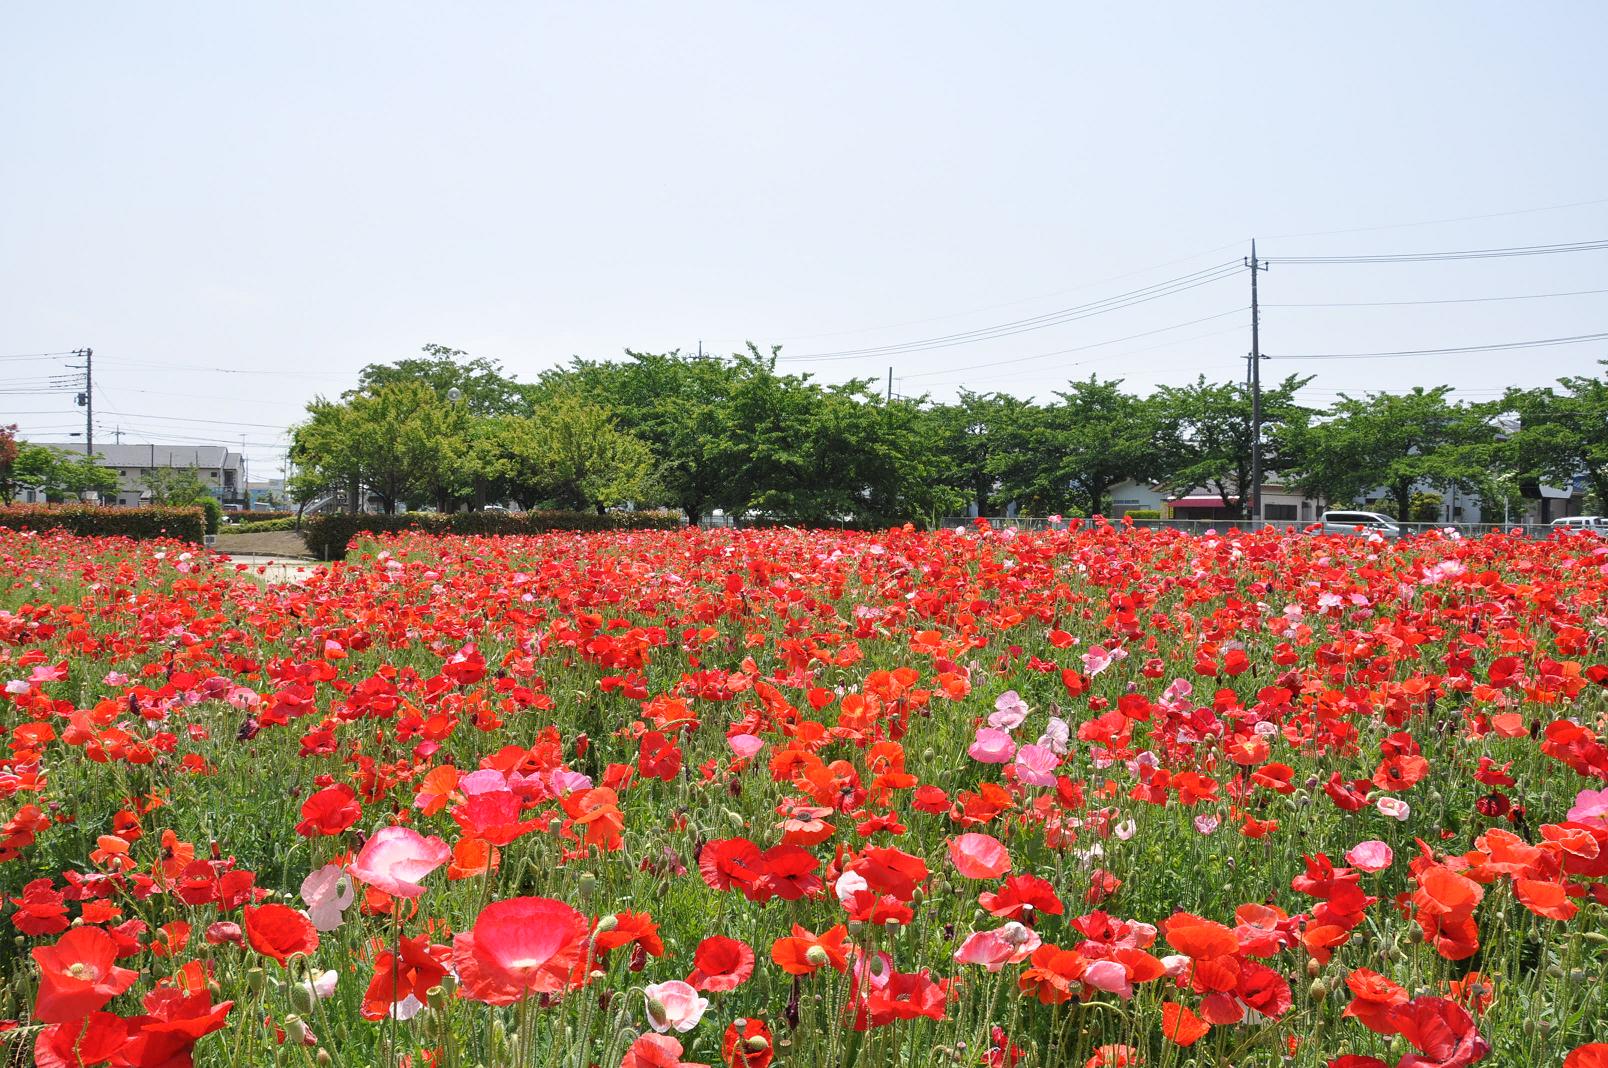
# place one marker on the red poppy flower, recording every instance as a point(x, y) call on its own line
point(747, 1044)
point(78, 975)
point(329, 811)
point(519, 947)
point(979, 856)
point(279, 931)
point(721, 963)
point(1180, 1025)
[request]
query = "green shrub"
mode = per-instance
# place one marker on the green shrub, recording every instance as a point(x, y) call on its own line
point(185, 524)
point(263, 515)
point(214, 511)
point(1142, 513)
point(330, 534)
point(265, 526)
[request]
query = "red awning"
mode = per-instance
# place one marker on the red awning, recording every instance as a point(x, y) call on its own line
point(1197, 502)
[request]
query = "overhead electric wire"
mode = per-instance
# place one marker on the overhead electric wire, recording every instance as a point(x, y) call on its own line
point(1076, 348)
point(1108, 358)
point(1443, 257)
point(992, 307)
point(1440, 222)
point(1577, 339)
point(1459, 300)
point(1037, 322)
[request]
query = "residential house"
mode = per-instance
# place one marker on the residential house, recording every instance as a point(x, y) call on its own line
point(222, 471)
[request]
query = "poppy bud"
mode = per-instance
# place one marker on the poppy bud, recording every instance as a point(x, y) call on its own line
point(1318, 990)
point(917, 896)
point(324, 1059)
point(585, 885)
point(301, 998)
point(607, 924)
point(816, 956)
point(295, 1030)
point(755, 1043)
point(733, 818)
point(256, 980)
point(1313, 969)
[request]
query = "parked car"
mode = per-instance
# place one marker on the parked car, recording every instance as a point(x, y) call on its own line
point(1364, 523)
point(1587, 524)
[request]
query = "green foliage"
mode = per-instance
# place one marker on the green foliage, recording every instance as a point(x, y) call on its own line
point(176, 486)
point(214, 513)
point(184, 524)
point(1205, 434)
point(574, 453)
point(967, 437)
point(61, 476)
point(9, 448)
point(262, 526)
point(1142, 513)
point(330, 534)
point(1562, 432)
point(1069, 453)
point(483, 388)
point(1392, 440)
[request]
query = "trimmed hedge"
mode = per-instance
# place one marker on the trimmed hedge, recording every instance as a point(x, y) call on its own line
point(263, 515)
point(330, 534)
point(266, 526)
point(94, 521)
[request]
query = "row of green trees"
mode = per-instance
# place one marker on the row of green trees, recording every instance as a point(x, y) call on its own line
point(445, 430)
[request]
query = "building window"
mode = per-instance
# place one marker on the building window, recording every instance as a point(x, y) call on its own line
point(1281, 511)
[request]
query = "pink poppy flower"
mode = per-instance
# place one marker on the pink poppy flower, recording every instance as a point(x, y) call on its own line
point(674, 1004)
point(1110, 976)
point(745, 745)
point(1011, 944)
point(979, 856)
point(991, 746)
point(1394, 807)
point(397, 858)
point(1009, 711)
point(1035, 765)
point(328, 894)
point(1591, 808)
point(1371, 856)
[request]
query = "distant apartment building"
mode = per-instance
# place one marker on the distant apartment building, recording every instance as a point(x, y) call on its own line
point(220, 469)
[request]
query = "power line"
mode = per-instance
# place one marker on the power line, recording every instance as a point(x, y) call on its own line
point(1077, 348)
point(1101, 360)
point(990, 307)
point(1460, 300)
point(1501, 347)
point(1037, 322)
point(1441, 257)
point(1438, 222)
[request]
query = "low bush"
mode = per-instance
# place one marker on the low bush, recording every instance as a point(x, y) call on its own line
point(330, 534)
point(214, 513)
point(184, 524)
point(262, 515)
point(1142, 513)
point(263, 526)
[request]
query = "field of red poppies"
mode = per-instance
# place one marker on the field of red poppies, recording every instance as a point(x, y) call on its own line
point(1093, 797)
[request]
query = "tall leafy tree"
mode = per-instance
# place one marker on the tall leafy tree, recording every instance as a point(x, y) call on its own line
point(1071, 452)
point(967, 435)
point(1206, 434)
point(483, 387)
point(1562, 433)
point(1394, 441)
point(574, 452)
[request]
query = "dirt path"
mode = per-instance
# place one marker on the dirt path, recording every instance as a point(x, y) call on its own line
point(279, 544)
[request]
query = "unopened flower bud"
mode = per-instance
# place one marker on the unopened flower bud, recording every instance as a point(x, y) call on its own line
point(816, 956)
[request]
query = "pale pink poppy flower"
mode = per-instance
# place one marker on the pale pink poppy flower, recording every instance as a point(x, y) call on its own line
point(1011, 944)
point(849, 884)
point(1176, 965)
point(1591, 808)
point(674, 1004)
point(484, 781)
point(745, 745)
point(1125, 830)
point(991, 746)
point(1206, 824)
point(1394, 807)
point(1057, 736)
point(1371, 856)
point(328, 893)
point(397, 858)
point(1009, 711)
point(1035, 765)
point(979, 856)
point(1110, 976)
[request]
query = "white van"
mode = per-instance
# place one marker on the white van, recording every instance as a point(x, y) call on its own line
point(1588, 524)
point(1363, 523)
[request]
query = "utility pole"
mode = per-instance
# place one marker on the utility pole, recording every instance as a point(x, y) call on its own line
point(1257, 267)
point(89, 403)
point(890, 385)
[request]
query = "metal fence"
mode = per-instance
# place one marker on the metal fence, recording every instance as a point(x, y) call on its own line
point(1223, 526)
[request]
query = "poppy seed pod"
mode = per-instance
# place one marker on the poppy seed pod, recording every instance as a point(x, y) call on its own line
point(585, 885)
point(256, 980)
point(295, 1030)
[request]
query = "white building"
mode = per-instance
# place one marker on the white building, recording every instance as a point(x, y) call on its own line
point(221, 470)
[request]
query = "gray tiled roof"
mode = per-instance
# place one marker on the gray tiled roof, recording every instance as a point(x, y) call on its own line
point(216, 456)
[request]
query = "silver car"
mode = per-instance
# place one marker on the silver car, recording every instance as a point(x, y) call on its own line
point(1362, 523)
point(1582, 524)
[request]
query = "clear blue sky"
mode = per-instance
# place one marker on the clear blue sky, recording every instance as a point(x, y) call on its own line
point(301, 189)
